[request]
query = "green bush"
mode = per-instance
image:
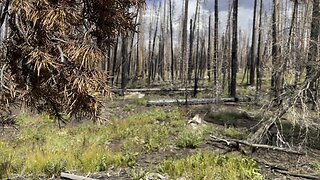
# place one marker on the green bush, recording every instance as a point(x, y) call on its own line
point(189, 139)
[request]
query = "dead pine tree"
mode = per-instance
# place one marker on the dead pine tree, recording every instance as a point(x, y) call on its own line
point(276, 61)
point(191, 40)
point(140, 46)
point(312, 73)
point(209, 50)
point(253, 45)
point(190, 62)
point(216, 45)
point(259, 55)
point(184, 40)
point(234, 51)
point(171, 42)
point(124, 64)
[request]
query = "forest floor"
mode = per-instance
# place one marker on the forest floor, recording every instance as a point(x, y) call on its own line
point(135, 141)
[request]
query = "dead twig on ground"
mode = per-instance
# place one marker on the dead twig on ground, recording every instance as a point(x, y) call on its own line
point(257, 146)
point(306, 176)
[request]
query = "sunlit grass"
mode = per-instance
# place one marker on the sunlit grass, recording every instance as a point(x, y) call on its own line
point(209, 165)
point(41, 149)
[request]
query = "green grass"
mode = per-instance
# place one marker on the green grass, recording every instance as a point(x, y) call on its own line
point(191, 138)
point(41, 149)
point(317, 166)
point(209, 165)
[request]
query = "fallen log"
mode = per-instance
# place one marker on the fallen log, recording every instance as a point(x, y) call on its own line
point(144, 90)
point(74, 177)
point(306, 176)
point(257, 146)
point(193, 101)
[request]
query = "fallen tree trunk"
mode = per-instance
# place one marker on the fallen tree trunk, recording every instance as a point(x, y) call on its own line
point(74, 177)
point(153, 90)
point(257, 146)
point(164, 102)
point(306, 176)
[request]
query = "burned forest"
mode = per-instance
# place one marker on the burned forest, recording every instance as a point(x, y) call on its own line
point(160, 89)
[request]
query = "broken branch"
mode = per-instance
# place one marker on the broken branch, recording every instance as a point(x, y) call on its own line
point(262, 146)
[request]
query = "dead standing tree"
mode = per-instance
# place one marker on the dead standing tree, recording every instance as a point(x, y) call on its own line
point(295, 103)
point(234, 51)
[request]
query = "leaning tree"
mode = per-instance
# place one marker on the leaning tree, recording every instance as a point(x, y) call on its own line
point(52, 51)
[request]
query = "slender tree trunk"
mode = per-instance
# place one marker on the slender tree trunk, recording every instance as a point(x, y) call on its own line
point(253, 45)
point(114, 64)
point(197, 66)
point(216, 43)
point(276, 78)
point(234, 58)
point(258, 62)
point(152, 59)
point(209, 50)
point(171, 42)
point(140, 45)
point(124, 64)
point(190, 67)
point(184, 40)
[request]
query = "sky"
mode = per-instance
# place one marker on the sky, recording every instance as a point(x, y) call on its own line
point(245, 10)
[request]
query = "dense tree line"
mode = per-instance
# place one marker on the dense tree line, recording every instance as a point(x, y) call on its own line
point(280, 46)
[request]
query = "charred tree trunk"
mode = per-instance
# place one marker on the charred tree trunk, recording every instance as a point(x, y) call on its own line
point(184, 40)
point(234, 58)
point(253, 45)
point(209, 50)
point(190, 67)
point(124, 64)
point(114, 64)
point(216, 43)
point(171, 43)
point(258, 62)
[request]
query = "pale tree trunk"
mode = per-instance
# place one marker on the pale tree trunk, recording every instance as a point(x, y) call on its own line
point(140, 44)
point(152, 60)
point(312, 74)
point(276, 62)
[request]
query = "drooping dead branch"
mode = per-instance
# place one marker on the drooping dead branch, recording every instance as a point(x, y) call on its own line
point(52, 58)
